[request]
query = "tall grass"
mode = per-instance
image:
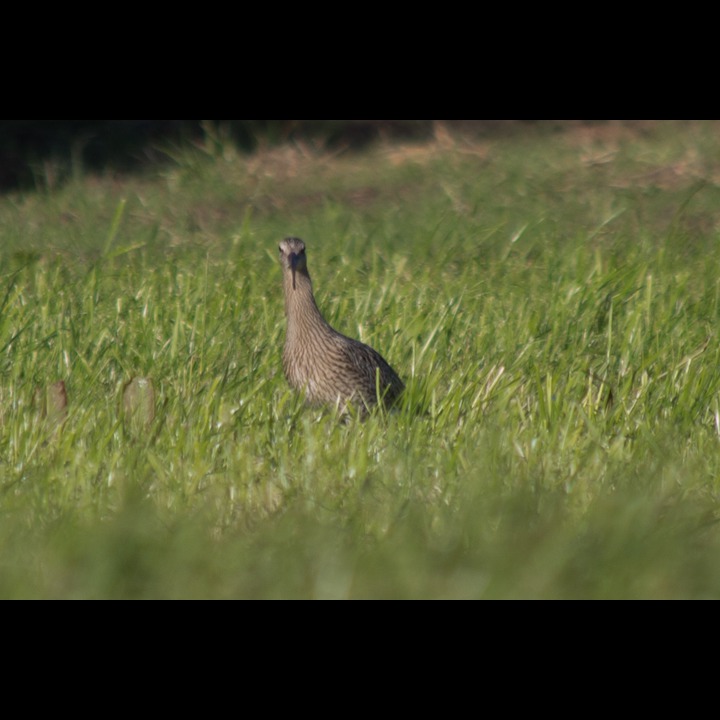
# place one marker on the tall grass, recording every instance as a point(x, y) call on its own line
point(550, 300)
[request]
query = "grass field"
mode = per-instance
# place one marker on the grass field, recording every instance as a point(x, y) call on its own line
point(551, 299)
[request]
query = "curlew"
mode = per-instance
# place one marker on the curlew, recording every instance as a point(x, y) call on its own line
point(325, 365)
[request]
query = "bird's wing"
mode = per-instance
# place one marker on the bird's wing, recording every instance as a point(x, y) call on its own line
point(366, 359)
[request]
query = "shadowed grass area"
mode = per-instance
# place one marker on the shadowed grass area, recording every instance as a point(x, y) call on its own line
point(550, 300)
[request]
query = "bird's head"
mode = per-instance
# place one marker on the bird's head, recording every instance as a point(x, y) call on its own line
point(292, 256)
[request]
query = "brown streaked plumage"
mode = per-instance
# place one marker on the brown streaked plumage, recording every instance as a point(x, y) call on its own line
point(327, 366)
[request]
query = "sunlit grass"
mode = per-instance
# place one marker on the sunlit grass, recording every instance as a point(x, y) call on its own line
point(551, 302)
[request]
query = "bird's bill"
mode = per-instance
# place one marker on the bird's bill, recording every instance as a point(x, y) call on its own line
point(294, 262)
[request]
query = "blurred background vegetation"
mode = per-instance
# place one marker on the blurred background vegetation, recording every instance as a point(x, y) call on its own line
point(41, 153)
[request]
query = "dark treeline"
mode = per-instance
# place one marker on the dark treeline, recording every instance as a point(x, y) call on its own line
point(28, 147)
point(33, 153)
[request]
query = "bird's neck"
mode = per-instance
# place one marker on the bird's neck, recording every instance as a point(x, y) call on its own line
point(300, 307)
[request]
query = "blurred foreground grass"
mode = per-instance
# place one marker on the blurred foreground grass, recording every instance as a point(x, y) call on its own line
point(550, 299)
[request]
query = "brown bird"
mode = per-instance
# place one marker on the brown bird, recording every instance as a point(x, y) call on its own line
point(318, 360)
